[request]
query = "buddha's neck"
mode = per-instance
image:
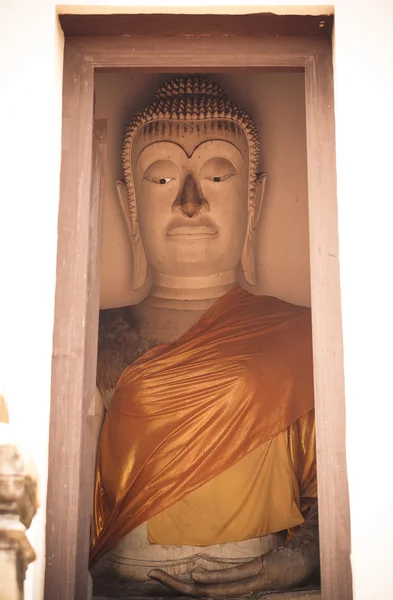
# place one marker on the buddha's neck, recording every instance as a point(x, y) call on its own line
point(189, 293)
point(175, 304)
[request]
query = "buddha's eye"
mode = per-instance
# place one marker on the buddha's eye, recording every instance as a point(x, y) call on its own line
point(160, 180)
point(162, 172)
point(164, 180)
point(219, 178)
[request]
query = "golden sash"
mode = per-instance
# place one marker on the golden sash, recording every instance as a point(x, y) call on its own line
point(266, 491)
point(185, 412)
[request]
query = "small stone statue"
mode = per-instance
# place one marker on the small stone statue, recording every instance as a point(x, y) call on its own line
point(18, 505)
point(206, 470)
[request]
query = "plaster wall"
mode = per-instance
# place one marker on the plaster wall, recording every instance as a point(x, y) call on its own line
point(30, 105)
point(276, 103)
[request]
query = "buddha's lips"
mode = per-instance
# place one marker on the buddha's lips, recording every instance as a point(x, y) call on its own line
point(194, 231)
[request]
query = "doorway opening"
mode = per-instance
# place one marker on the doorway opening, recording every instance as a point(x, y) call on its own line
point(242, 61)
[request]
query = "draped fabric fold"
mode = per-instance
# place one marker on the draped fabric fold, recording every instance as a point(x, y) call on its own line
point(185, 412)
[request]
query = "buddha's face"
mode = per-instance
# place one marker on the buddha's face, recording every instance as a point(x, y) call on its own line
point(191, 187)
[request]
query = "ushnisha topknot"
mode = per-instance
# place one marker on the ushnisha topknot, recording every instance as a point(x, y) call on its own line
point(195, 98)
point(190, 86)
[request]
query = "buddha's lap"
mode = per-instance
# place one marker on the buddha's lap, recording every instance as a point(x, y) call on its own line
point(134, 555)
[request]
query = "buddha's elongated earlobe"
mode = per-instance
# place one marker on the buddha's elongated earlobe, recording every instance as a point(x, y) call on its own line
point(248, 255)
point(139, 259)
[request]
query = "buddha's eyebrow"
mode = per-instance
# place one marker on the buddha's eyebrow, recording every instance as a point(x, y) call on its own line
point(189, 155)
point(159, 143)
point(226, 142)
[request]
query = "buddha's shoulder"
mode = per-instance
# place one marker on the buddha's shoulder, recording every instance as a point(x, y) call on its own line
point(272, 308)
point(294, 321)
point(286, 329)
point(120, 343)
point(276, 304)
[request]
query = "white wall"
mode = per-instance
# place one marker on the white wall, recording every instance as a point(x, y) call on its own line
point(30, 109)
point(364, 129)
point(31, 51)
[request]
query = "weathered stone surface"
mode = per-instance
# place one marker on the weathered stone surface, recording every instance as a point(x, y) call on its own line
point(18, 505)
point(18, 490)
point(111, 588)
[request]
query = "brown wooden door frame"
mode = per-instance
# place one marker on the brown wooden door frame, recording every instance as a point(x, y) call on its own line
point(77, 289)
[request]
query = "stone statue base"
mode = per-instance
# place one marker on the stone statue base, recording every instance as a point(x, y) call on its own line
point(117, 590)
point(109, 586)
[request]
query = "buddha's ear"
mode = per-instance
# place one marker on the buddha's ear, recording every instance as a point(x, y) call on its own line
point(139, 259)
point(259, 195)
point(248, 258)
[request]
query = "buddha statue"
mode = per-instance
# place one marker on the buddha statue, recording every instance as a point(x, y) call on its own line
point(206, 470)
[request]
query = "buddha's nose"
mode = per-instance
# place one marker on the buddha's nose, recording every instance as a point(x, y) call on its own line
point(191, 201)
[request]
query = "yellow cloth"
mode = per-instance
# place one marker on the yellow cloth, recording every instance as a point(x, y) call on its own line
point(258, 495)
point(185, 412)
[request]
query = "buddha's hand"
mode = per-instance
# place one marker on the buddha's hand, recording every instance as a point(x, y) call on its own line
point(286, 566)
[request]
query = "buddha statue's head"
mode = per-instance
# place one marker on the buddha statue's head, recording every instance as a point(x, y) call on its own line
point(192, 194)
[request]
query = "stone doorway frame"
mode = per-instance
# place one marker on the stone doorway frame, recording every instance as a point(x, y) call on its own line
point(77, 288)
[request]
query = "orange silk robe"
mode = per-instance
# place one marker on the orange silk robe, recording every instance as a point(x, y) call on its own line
point(186, 412)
